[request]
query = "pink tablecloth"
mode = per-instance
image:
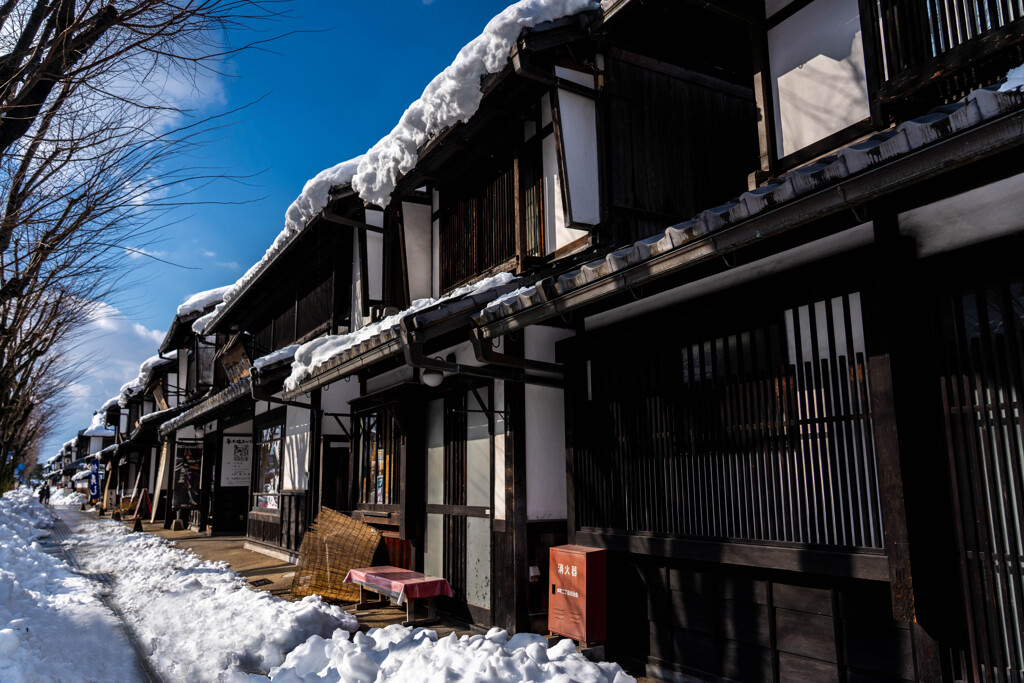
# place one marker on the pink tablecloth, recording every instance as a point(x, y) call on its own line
point(407, 584)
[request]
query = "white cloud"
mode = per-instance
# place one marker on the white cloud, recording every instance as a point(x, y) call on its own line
point(139, 252)
point(209, 254)
point(230, 265)
point(108, 353)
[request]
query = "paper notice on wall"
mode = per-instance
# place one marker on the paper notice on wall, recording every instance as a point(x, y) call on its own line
point(236, 461)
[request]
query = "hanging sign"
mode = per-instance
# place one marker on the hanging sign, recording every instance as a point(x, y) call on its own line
point(94, 479)
point(236, 461)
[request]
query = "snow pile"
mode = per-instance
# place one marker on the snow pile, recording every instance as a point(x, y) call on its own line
point(129, 389)
point(286, 353)
point(308, 204)
point(97, 426)
point(67, 496)
point(199, 620)
point(53, 626)
point(1014, 79)
point(202, 300)
point(453, 96)
point(109, 403)
point(315, 353)
point(401, 654)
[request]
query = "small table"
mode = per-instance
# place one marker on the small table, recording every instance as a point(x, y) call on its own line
point(402, 586)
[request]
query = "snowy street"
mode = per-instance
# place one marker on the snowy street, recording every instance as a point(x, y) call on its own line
point(73, 616)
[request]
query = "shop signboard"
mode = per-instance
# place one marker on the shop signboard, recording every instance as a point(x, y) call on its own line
point(236, 461)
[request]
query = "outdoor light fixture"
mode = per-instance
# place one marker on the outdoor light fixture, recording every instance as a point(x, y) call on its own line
point(200, 432)
point(432, 378)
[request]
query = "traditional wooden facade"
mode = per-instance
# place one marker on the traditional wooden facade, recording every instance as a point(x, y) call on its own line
point(792, 419)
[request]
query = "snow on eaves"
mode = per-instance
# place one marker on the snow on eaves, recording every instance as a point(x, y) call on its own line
point(453, 96)
point(308, 204)
point(202, 300)
point(1014, 79)
point(97, 426)
point(110, 403)
point(313, 354)
point(287, 353)
point(133, 387)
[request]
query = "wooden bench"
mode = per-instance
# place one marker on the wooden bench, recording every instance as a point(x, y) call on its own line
point(401, 585)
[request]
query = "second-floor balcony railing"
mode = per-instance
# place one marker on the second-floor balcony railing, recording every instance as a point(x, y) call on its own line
point(943, 48)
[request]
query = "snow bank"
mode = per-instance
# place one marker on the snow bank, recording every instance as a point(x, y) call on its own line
point(453, 96)
point(67, 496)
point(401, 654)
point(133, 387)
point(202, 300)
point(199, 620)
point(53, 626)
point(97, 426)
point(318, 351)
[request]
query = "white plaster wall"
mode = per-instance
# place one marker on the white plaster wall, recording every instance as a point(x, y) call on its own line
point(974, 216)
point(499, 450)
point(335, 398)
point(243, 428)
point(554, 212)
point(375, 255)
point(817, 67)
point(545, 433)
point(172, 389)
point(579, 135)
point(295, 459)
point(419, 249)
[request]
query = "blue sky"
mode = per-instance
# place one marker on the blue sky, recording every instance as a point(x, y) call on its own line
point(328, 94)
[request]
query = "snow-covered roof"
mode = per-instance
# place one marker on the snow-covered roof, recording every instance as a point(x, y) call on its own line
point(54, 458)
point(79, 476)
point(97, 426)
point(453, 96)
point(286, 353)
point(145, 371)
point(202, 300)
point(318, 352)
point(232, 393)
point(307, 205)
point(110, 403)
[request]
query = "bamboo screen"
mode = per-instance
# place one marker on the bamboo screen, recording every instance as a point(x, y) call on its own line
point(333, 544)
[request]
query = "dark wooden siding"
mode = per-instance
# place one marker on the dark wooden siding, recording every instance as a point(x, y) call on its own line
point(746, 625)
point(674, 146)
point(478, 220)
point(751, 434)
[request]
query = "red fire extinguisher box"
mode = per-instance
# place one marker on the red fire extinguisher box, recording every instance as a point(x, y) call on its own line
point(577, 606)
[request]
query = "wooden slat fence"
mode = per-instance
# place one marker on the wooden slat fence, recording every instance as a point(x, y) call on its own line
point(761, 435)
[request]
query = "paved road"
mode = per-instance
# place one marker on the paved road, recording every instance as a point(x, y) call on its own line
point(65, 521)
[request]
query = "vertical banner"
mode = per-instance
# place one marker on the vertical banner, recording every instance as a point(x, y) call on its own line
point(236, 461)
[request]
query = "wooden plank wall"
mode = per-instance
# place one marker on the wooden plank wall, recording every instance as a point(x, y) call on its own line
point(665, 163)
point(729, 624)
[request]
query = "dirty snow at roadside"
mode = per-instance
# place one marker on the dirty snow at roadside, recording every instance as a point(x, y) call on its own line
point(199, 621)
point(67, 496)
point(401, 654)
point(52, 622)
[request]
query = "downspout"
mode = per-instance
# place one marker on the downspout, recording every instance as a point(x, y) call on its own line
point(485, 353)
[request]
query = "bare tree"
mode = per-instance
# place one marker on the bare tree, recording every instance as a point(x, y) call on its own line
point(93, 152)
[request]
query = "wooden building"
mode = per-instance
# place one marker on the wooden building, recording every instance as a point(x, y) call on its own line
point(793, 420)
